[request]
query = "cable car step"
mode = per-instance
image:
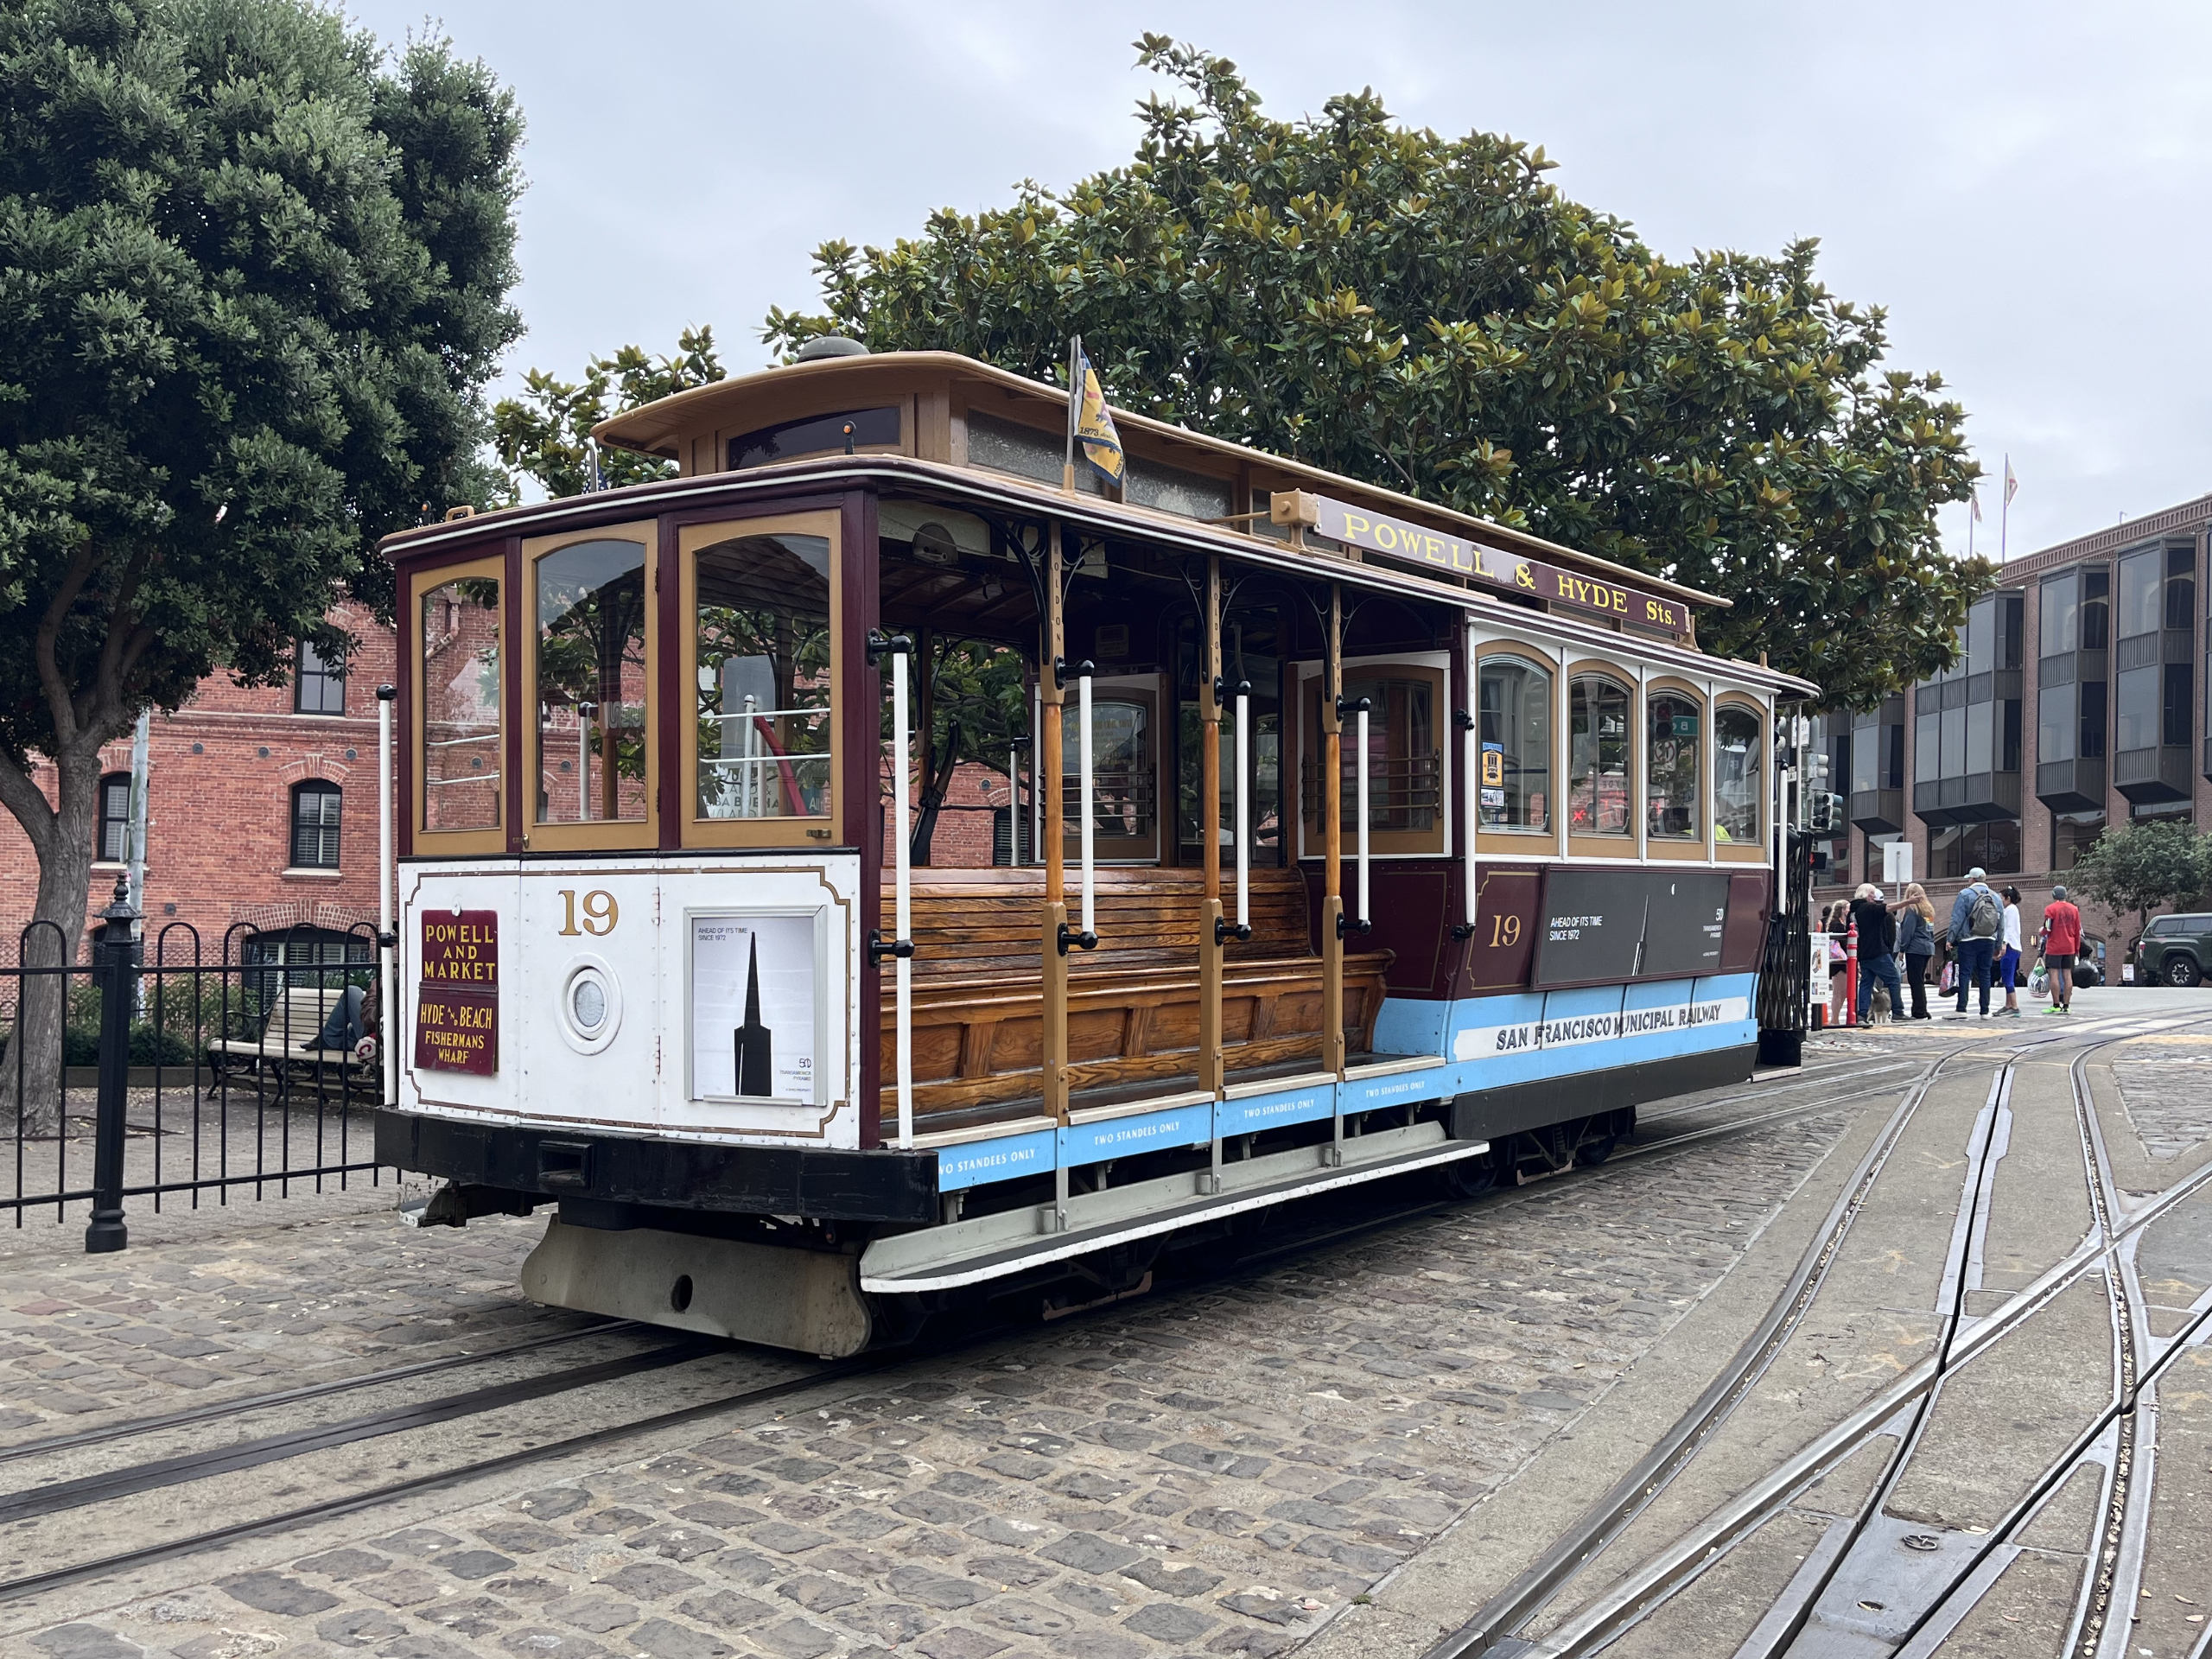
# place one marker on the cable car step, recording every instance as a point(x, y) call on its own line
point(991, 1247)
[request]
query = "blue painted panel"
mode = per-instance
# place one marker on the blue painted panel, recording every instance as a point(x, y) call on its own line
point(1587, 1019)
point(1125, 1137)
point(1410, 1025)
point(1430, 1082)
point(1002, 1160)
point(1256, 1112)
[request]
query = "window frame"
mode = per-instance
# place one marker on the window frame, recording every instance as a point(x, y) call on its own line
point(1624, 845)
point(324, 673)
point(597, 835)
point(101, 820)
point(1695, 848)
point(1144, 691)
point(1755, 850)
point(833, 828)
point(1517, 842)
point(422, 841)
point(321, 789)
point(1434, 668)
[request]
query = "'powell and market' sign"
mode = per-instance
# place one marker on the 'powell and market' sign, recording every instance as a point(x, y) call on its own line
point(1400, 539)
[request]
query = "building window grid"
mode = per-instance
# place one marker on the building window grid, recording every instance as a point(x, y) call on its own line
point(112, 845)
point(316, 811)
point(319, 684)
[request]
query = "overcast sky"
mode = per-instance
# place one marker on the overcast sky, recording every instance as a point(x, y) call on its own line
point(2023, 186)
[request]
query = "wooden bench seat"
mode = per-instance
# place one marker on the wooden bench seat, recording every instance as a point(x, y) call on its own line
point(1133, 1003)
point(286, 1049)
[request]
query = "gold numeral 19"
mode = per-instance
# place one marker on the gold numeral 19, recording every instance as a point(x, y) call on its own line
point(600, 912)
point(1504, 931)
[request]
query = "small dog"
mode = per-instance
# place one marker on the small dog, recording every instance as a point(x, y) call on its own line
point(1878, 1005)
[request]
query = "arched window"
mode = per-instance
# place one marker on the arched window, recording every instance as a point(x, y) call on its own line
point(1516, 752)
point(314, 825)
point(1738, 776)
point(1670, 786)
point(1597, 777)
point(113, 844)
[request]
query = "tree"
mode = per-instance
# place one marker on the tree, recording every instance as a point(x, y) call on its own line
point(253, 279)
point(2144, 867)
point(545, 435)
point(1433, 316)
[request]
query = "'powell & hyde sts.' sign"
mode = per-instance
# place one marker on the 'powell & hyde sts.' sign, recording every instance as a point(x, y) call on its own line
point(1399, 538)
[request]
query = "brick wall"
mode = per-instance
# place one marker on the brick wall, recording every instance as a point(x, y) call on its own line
point(219, 780)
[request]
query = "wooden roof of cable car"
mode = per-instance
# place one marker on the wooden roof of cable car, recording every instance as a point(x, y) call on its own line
point(940, 382)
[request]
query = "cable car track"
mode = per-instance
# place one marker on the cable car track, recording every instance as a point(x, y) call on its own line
point(1494, 1629)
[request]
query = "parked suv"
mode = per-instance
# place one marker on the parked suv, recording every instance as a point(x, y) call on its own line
point(2175, 950)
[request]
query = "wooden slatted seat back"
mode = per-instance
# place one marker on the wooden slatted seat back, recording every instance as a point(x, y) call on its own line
point(985, 923)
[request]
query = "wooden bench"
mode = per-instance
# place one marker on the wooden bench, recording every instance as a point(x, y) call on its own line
point(295, 1017)
point(1133, 1003)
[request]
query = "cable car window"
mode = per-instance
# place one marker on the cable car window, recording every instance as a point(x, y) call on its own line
point(459, 680)
point(1405, 769)
point(1516, 725)
point(1670, 787)
point(1596, 779)
point(765, 678)
point(1124, 775)
point(594, 713)
point(818, 435)
point(1738, 776)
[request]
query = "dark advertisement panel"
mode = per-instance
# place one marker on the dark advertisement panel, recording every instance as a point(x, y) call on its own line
point(1685, 923)
point(1590, 924)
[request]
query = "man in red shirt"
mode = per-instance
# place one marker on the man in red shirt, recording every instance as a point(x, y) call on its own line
point(2062, 942)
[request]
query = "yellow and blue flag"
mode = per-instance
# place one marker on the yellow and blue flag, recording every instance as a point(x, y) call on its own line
point(1093, 424)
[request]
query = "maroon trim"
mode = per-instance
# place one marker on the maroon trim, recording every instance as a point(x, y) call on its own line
point(511, 691)
point(406, 661)
point(675, 721)
point(858, 783)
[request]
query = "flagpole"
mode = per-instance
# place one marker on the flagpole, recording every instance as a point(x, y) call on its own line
point(1075, 395)
point(2005, 512)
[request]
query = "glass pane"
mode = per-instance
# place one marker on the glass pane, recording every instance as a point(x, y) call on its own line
point(1670, 790)
point(2180, 689)
point(1981, 636)
point(2180, 587)
point(2096, 607)
point(1955, 743)
point(2138, 709)
point(1517, 727)
point(460, 705)
point(2142, 596)
point(761, 662)
point(2093, 719)
point(1122, 774)
point(1981, 737)
point(2059, 621)
point(593, 717)
point(1926, 748)
point(1738, 777)
point(2055, 724)
point(1865, 755)
point(1598, 767)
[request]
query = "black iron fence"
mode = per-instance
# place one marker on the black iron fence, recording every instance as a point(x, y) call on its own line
point(162, 1070)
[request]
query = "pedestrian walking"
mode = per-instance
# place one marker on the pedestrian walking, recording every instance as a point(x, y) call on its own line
point(1916, 943)
point(1834, 922)
point(1877, 941)
point(2008, 957)
point(1977, 924)
point(2062, 942)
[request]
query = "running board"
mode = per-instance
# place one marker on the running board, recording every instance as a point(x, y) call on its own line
point(992, 1247)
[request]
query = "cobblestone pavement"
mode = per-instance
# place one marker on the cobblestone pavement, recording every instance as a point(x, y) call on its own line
point(1215, 1470)
point(2166, 1083)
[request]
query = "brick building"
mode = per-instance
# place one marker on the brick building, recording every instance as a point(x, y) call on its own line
point(2082, 700)
point(261, 811)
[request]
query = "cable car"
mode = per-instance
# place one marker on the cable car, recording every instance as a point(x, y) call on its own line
point(882, 867)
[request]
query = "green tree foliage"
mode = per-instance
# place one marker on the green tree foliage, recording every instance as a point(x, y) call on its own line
point(545, 433)
point(253, 279)
point(2144, 867)
point(1431, 315)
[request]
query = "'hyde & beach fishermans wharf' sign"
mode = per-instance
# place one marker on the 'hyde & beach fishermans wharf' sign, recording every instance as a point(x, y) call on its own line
point(1400, 538)
point(457, 996)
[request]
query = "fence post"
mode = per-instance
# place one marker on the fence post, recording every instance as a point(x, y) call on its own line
point(111, 968)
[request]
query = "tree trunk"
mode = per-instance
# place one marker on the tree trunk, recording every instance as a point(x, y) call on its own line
point(30, 1081)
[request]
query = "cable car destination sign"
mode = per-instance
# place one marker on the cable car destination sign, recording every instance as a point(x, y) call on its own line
point(1400, 538)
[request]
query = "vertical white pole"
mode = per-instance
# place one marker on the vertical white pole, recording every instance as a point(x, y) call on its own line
point(387, 979)
point(1036, 772)
point(1243, 815)
point(1471, 764)
point(1014, 805)
point(903, 902)
point(583, 766)
point(1363, 915)
point(1089, 903)
point(755, 791)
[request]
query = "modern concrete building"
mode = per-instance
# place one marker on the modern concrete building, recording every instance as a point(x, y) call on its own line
point(2082, 700)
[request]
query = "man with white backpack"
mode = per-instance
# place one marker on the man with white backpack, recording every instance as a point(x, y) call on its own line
point(1977, 923)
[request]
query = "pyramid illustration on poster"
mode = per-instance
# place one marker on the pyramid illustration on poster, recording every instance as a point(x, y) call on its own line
point(755, 1070)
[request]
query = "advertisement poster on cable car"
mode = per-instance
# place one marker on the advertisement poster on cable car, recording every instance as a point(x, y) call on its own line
point(752, 994)
point(457, 993)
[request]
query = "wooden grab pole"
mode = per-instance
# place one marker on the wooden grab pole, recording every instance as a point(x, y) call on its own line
point(1209, 924)
point(1333, 850)
point(1053, 648)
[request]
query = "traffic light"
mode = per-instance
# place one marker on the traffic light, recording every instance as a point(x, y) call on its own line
point(1827, 813)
